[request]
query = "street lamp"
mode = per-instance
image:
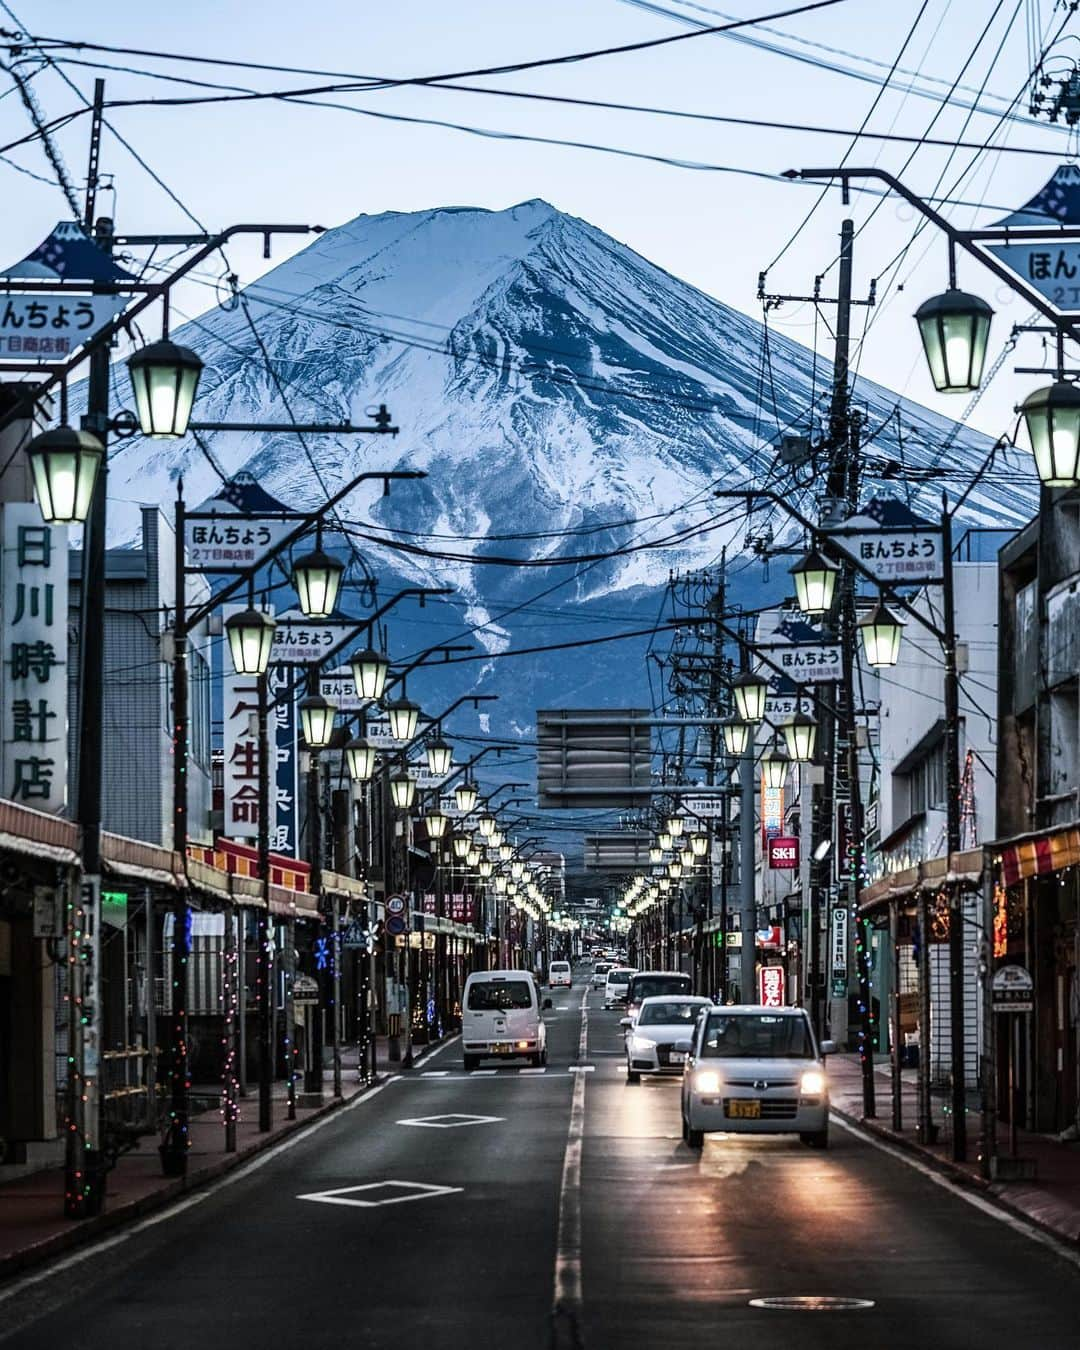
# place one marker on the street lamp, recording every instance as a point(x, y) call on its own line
point(506, 852)
point(251, 635)
point(439, 757)
point(473, 855)
point(664, 840)
point(402, 789)
point(486, 825)
point(687, 856)
point(65, 465)
point(699, 843)
point(800, 735)
point(462, 844)
point(881, 631)
point(404, 715)
point(164, 377)
point(815, 583)
point(674, 869)
point(317, 578)
point(465, 794)
point(369, 671)
point(516, 869)
point(656, 854)
point(435, 822)
point(501, 884)
point(775, 765)
point(317, 719)
point(674, 826)
point(736, 736)
point(1052, 416)
point(360, 755)
point(954, 328)
point(486, 868)
point(750, 692)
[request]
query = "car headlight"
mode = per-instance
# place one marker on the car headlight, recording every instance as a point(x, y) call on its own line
point(812, 1084)
point(707, 1080)
point(642, 1043)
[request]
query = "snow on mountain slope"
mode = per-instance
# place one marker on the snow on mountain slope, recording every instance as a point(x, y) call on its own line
point(545, 376)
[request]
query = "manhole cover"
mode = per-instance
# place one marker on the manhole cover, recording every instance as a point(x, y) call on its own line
point(812, 1303)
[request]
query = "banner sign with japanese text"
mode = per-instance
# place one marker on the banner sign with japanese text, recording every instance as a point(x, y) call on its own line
point(339, 687)
point(284, 822)
point(231, 542)
point(771, 986)
point(33, 666)
point(298, 640)
point(892, 542)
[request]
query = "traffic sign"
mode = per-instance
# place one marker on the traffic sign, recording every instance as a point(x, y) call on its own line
point(355, 937)
point(395, 925)
point(1012, 990)
point(305, 992)
point(395, 904)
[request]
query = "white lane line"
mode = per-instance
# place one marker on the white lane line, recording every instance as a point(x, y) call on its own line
point(1013, 1221)
point(434, 1073)
point(566, 1309)
point(533, 1072)
point(484, 1073)
point(205, 1193)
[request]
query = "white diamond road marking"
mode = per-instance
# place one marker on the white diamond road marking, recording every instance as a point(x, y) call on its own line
point(349, 1195)
point(454, 1121)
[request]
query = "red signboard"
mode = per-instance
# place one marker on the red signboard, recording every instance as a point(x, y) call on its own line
point(771, 986)
point(784, 851)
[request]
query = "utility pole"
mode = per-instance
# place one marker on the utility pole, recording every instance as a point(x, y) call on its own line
point(747, 860)
point(952, 843)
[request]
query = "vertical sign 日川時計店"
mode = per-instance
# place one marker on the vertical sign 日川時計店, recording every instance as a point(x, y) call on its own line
point(33, 668)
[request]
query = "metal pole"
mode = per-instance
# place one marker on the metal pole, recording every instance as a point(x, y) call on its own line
point(265, 977)
point(84, 1170)
point(313, 1070)
point(952, 844)
point(175, 1146)
point(927, 1131)
point(335, 984)
point(747, 901)
point(894, 1010)
point(988, 1073)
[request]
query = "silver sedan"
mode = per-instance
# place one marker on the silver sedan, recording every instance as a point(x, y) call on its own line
point(658, 1037)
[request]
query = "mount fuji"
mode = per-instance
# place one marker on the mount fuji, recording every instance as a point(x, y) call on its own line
point(566, 398)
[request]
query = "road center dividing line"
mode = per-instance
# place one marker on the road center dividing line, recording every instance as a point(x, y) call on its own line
point(566, 1310)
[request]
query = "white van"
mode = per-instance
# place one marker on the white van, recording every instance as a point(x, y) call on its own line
point(503, 1016)
point(559, 976)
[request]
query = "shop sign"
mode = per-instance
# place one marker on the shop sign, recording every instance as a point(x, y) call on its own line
point(33, 665)
point(784, 851)
point(771, 986)
point(838, 950)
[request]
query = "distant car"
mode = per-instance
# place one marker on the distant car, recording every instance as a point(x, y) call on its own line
point(754, 1070)
point(652, 983)
point(560, 976)
point(658, 1037)
point(503, 1016)
point(600, 974)
point(616, 985)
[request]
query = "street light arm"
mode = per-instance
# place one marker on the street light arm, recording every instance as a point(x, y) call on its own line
point(302, 526)
point(957, 238)
point(846, 557)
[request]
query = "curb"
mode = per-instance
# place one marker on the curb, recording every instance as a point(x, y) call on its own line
point(87, 1230)
point(958, 1175)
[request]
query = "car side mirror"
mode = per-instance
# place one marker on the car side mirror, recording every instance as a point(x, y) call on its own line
point(547, 1003)
point(626, 1021)
point(827, 1048)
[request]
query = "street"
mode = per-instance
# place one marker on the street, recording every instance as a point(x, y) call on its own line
point(673, 1246)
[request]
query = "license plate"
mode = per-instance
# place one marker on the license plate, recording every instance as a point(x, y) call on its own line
point(678, 1057)
point(744, 1110)
point(501, 1048)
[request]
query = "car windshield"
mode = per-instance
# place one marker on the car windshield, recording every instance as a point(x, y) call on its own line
point(668, 1014)
point(619, 976)
point(602, 968)
point(756, 1036)
point(651, 986)
point(560, 966)
point(497, 995)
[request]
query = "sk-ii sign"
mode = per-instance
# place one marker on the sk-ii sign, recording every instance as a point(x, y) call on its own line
point(784, 851)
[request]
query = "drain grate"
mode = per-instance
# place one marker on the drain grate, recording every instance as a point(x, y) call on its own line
point(812, 1303)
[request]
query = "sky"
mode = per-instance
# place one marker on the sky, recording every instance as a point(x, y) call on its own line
point(293, 162)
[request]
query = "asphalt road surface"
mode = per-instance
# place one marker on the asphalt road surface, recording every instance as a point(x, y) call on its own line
point(559, 1208)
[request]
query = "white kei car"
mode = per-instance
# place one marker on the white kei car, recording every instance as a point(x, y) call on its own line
point(559, 976)
point(658, 1036)
point(755, 1070)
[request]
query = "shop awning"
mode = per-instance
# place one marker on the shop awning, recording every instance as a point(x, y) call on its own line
point(958, 869)
point(1038, 854)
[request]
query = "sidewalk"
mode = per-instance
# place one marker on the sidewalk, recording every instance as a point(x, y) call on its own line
point(1051, 1201)
point(33, 1228)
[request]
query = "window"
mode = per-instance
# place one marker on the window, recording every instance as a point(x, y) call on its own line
point(498, 995)
point(926, 781)
point(199, 709)
point(669, 1014)
point(755, 1036)
point(653, 986)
